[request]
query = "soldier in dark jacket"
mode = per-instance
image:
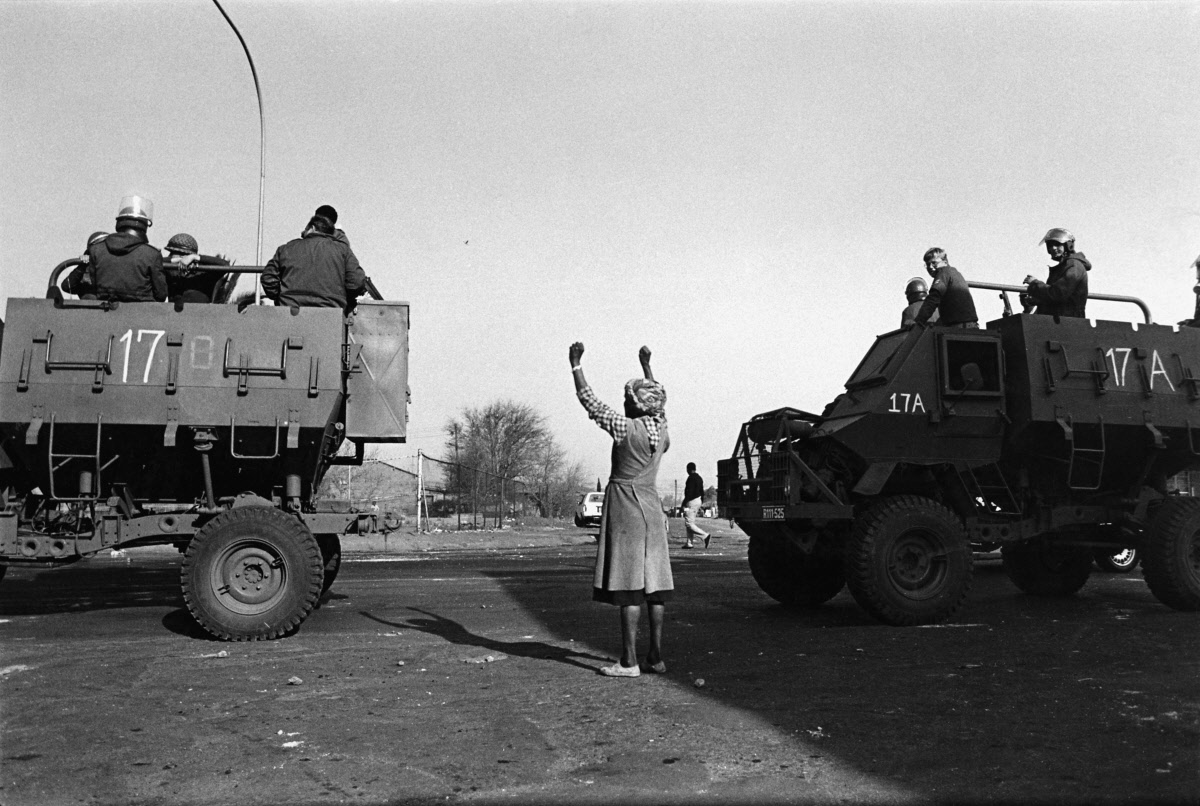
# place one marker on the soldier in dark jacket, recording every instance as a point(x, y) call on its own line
point(949, 294)
point(315, 270)
point(80, 282)
point(123, 266)
point(1065, 291)
point(188, 284)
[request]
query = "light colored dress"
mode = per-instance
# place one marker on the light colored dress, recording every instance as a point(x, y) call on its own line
point(632, 558)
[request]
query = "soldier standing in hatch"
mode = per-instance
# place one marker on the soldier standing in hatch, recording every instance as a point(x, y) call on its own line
point(1065, 291)
point(123, 266)
point(915, 292)
point(949, 295)
point(314, 270)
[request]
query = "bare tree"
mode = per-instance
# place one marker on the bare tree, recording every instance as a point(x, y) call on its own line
point(502, 438)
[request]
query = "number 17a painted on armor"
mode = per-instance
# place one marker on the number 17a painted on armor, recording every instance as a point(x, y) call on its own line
point(909, 403)
point(128, 340)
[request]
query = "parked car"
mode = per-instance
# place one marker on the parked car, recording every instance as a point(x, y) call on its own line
point(587, 511)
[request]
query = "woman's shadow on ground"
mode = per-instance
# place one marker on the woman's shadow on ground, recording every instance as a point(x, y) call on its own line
point(454, 633)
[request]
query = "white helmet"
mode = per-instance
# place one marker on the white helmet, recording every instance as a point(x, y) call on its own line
point(137, 207)
point(1057, 235)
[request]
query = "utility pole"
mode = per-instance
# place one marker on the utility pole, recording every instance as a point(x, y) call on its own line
point(458, 475)
point(675, 500)
point(420, 490)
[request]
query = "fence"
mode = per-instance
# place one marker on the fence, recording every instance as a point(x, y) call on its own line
point(473, 485)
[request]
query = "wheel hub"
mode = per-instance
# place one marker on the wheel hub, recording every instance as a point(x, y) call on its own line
point(249, 577)
point(917, 565)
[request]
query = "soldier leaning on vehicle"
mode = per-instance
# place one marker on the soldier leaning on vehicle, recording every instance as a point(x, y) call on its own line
point(949, 294)
point(1065, 291)
point(185, 283)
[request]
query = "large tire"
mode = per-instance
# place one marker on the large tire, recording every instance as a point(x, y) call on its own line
point(252, 574)
point(791, 577)
point(331, 559)
point(1118, 562)
point(909, 562)
point(1171, 554)
point(1041, 568)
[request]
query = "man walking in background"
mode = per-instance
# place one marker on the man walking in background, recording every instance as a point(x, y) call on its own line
point(693, 496)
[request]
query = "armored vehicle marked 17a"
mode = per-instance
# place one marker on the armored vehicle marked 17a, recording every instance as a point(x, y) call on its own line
point(1047, 437)
point(195, 425)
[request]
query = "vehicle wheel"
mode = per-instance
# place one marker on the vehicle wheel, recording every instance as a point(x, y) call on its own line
point(331, 558)
point(788, 575)
point(909, 561)
point(1041, 568)
point(3, 571)
point(251, 574)
point(1171, 554)
point(579, 522)
point(1119, 562)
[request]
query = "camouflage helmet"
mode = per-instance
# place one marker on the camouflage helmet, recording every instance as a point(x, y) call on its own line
point(183, 244)
point(1057, 235)
point(138, 209)
point(916, 289)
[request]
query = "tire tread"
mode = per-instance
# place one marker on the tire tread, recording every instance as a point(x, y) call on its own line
point(295, 529)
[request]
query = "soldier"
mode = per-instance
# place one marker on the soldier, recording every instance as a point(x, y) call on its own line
point(1065, 291)
point(949, 295)
point(314, 270)
point(327, 211)
point(915, 292)
point(124, 267)
point(81, 282)
point(185, 283)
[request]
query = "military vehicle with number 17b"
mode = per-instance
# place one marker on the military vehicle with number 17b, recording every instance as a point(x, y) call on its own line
point(197, 425)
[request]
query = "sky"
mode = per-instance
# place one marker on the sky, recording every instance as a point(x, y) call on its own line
point(746, 188)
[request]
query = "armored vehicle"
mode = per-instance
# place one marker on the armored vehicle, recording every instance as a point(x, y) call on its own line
point(1050, 438)
point(197, 425)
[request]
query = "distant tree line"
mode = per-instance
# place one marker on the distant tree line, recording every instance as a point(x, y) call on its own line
point(511, 443)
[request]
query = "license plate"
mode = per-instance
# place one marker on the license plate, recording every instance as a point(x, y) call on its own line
point(772, 513)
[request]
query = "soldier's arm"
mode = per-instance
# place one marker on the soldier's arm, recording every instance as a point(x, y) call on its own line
point(932, 299)
point(1060, 290)
point(356, 278)
point(270, 277)
point(158, 278)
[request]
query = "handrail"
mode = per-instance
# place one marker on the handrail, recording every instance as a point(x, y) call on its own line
point(57, 272)
point(1020, 289)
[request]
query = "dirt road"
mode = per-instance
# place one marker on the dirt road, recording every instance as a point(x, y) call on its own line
point(469, 675)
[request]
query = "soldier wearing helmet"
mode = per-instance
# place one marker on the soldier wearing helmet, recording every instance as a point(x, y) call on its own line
point(123, 266)
point(1065, 291)
point(915, 292)
point(949, 296)
point(187, 283)
point(81, 281)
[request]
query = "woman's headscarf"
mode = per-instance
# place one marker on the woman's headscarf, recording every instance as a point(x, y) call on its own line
point(648, 396)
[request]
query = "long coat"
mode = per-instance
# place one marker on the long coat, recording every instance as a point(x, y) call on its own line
point(632, 552)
